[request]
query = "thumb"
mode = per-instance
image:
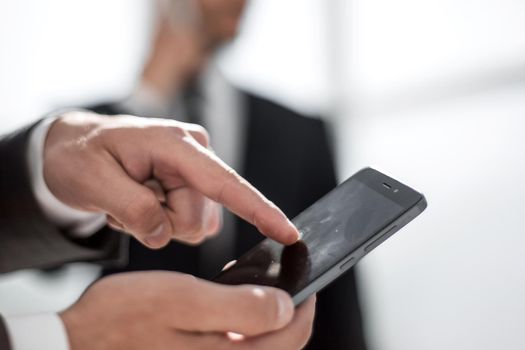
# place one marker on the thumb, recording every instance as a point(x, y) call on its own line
point(246, 309)
point(135, 207)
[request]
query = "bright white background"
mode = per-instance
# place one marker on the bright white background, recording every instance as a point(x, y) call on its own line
point(431, 92)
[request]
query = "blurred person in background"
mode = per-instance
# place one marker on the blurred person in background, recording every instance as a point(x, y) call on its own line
point(284, 154)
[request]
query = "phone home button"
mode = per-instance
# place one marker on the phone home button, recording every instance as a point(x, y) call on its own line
point(347, 263)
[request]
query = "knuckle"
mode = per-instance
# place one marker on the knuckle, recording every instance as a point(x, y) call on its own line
point(133, 166)
point(137, 213)
point(192, 227)
point(231, 178)
point(213, 230)
point(203, 135)
point(193, 240)
point(175, 131)
point(214, 222)
point(198, 132)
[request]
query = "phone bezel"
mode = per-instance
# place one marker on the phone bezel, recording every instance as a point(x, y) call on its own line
point(410, 200)
point(398, 192)
point(413, 203)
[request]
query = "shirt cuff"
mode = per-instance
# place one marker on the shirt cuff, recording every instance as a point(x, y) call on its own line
point(78, 223)
point(39, 331)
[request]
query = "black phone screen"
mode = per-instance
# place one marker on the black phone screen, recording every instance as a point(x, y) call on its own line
point(331, 229)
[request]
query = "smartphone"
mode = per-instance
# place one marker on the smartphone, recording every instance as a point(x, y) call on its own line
point(336, 231)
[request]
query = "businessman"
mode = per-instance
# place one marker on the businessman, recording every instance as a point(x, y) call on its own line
point(157, 180)
point(285, 154)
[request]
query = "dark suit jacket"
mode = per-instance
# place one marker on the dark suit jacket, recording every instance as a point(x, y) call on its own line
point(288, 158)
point(27, 238)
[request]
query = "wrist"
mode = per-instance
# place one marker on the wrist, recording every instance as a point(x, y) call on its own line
point(55, 210)
point(70, 131)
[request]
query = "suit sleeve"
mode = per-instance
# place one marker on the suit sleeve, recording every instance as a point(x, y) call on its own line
point(27, 238)
point(4, 340)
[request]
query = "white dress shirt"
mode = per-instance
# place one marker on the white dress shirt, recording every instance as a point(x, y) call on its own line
point(39, 331)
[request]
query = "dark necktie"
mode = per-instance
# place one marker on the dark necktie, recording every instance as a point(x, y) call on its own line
point(218, 251)
point(192, 101)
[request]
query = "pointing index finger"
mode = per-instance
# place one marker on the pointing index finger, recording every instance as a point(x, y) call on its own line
point(207, 173)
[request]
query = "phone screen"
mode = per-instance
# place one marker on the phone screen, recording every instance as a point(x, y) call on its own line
point(331, 229)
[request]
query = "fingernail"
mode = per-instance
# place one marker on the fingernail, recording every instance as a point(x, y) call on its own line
point(294, 235)
point(154, 239)
point(285, 308)
point(157, 232)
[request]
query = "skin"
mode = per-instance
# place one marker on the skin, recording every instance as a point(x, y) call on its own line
point(151, 173)
point(157, 180)
point(181, 49)
point(166, 310)
point(108, 164)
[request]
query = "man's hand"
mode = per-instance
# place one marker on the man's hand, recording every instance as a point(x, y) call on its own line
point(154, 178)
point(167, 310)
